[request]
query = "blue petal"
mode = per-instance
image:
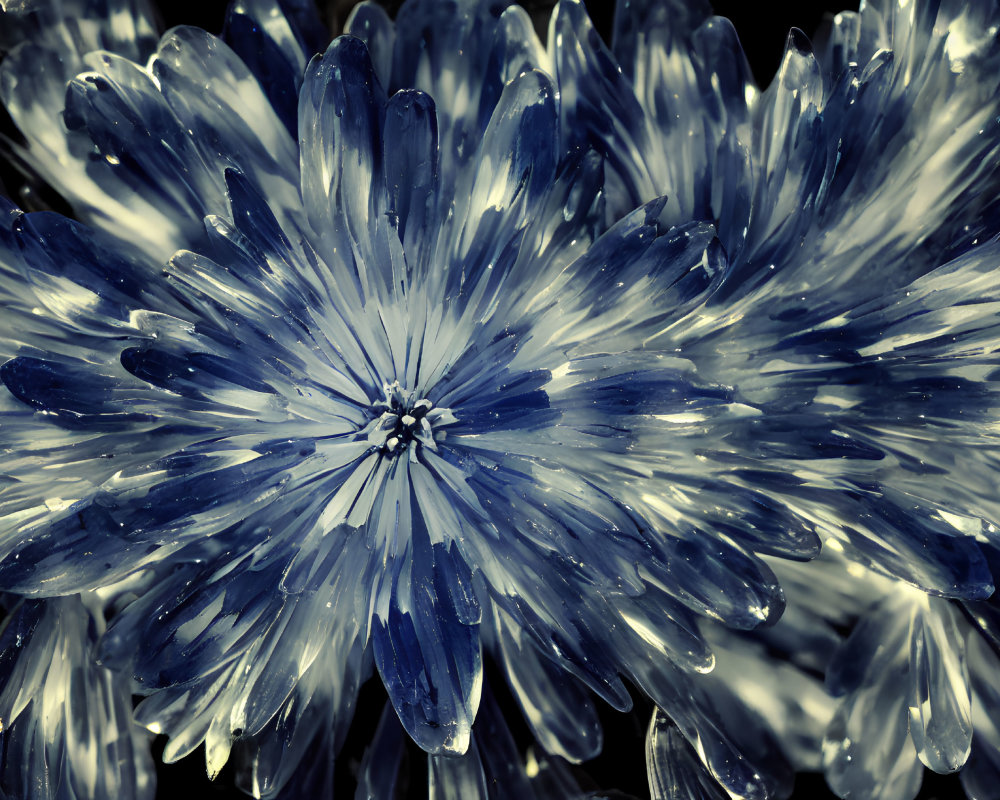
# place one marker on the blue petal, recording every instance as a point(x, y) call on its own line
point(111, 114)
point(694, 84)
point(765, 525)
point(867, 743)
point(191, 624)
point(981, 773)
point(518, 157)
point(189, 374)
point(61, 247)
point(427, 646)
point(371, 24)
point(231, 122)
point(410, 150)
point(914, 546)
point(732, 741)
point(599, 108)
point(276, 42)
point(795, 158)
point(276, 70)
point(71, 394)
point(554, 610)
point(78, 552)
point(645, 28)
point(647, 273)
point(674, 770)
point(716, 578)
point(939, 694)
point(443, 47)
point(456, 777)
point(341, 109)
point(430, 665)
point(647, 391)
point(68, 727)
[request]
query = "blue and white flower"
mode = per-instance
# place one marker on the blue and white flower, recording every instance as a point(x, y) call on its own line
point(444, 342)
point(396, 404)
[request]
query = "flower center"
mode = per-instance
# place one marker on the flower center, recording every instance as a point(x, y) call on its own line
point(405, 420)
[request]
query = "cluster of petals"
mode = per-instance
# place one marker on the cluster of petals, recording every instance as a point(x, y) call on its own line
point(430, 346)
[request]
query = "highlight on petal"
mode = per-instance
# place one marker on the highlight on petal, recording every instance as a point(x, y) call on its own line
point(67, 722)
point(674, 770)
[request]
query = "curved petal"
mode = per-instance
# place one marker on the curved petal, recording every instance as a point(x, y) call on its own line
point(110, 113)
point(276, 43)
point(560, 713)
point(940, 705)
point(430, 664)
point(341, 111)
point(673, 769)
point(370, 23)
point(232, 122)
point(68, 728)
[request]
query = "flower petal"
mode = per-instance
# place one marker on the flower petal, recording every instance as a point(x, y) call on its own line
point(232, 123)
point(559, 711)
point(674, 771)
point(370, 23)
point(68, 728)
point(456, 777)
point(426, 644)
point(341, 110)
point(276, 43)
point(940, 706)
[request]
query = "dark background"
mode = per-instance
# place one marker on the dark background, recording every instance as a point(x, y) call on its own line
point(763, 28)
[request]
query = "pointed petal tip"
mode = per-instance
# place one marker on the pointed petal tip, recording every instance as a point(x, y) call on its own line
point(797, 41)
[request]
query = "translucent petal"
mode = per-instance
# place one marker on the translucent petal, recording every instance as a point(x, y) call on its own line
point(276, 43)
point(232, 123)
point(446, 48)
point(341, 108)
point(940, 706)
point(560, 713)
point(793, 160)
point(109, 112)
point(673, 769)
point(981, 774)
point(645, 31)
point(791, 700)
point(598, 106)
point(293, 755)
point(378, 772)
point(453, 777)
point(68, 729)
point(868, 750)
point(736, 747)
point(717, 579)
point(49, 40)
point(650, 273)
point(410, 150)
point(694, 84)
point(428, 658)
point(518, 157)
point(371, 24)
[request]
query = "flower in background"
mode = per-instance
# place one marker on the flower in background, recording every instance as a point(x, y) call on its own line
point(444, 343)
point(838, 192)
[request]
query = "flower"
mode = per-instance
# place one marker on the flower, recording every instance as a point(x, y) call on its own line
point(365, 414)
point(440, 344)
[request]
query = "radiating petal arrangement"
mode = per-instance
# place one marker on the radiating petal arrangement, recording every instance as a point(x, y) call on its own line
point(583, 374)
